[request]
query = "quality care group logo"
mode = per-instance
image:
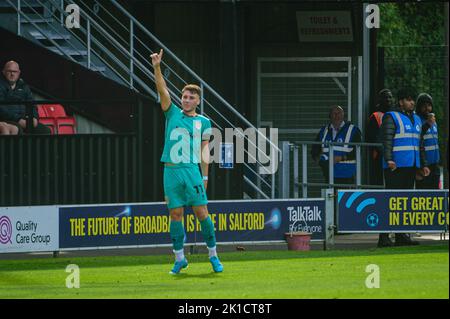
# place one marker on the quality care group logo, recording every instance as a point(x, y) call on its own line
point(5, 230)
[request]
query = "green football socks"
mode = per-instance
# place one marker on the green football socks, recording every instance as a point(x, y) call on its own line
point(177, 235)
point(208, 232)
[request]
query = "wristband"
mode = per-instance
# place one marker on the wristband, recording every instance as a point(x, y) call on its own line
point(205, 178)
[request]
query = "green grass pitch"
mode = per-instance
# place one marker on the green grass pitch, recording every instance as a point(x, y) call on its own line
point(405, 272)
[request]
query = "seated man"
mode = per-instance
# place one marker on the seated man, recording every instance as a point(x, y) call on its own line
point(8, 129)
point(14, 89)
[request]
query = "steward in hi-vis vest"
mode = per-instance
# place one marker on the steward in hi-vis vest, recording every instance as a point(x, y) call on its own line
point(430, 143)
point(403, 154)
point(344, 157)
point(406, 141)
point(345, 168)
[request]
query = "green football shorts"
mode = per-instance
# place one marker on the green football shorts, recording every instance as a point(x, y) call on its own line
point(183, 186)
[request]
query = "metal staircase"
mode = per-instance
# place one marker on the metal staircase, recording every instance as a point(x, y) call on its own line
point(112, 42)
point(43, 23)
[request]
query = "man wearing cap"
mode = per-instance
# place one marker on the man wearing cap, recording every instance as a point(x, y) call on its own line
point(402, 153)
point(424, 108)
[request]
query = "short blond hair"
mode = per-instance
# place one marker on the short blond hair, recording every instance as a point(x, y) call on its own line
point(193, 88)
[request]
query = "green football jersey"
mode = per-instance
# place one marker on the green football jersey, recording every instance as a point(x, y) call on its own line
point(183, 137)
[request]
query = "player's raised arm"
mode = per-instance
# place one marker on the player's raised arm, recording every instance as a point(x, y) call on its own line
point(160, 83)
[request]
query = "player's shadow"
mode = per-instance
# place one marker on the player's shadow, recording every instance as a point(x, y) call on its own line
point(209, 275)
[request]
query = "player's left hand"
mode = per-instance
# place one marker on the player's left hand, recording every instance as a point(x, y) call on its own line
point(156, 58)
point(425, 171)
point(205, 184)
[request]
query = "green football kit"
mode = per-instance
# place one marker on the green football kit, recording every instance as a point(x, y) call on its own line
point(183, 181)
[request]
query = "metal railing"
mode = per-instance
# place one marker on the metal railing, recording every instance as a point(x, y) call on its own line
point(76, 168)
point(288, 169)
point(21, 14)
point(117, 39)
point(31, 104)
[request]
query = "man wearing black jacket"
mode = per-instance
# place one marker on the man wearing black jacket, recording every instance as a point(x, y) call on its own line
point(424, 108)
point(402, 153)
point(385, 104)
point(14, 89)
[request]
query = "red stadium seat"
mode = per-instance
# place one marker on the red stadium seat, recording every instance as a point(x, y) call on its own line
point(54, 116)
point(41, 111)
point(50, 123)
point(52, 110)
point(66, 125)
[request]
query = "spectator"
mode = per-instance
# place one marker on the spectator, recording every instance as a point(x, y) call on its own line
point(339, 131)
point(14, 89)
point(402, 155)
point(8, 129)
point(429, 134)
point(385, 104)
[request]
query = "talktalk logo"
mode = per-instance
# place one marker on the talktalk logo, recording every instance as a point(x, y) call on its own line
point(5, 230)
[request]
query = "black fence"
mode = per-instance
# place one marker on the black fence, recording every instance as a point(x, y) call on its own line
point(424, 68)
point(69, 169)
point(97, 168)
point(80, 168)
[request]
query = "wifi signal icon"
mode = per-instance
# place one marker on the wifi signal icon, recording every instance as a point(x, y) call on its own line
point(372, 219)
point(362, 205)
